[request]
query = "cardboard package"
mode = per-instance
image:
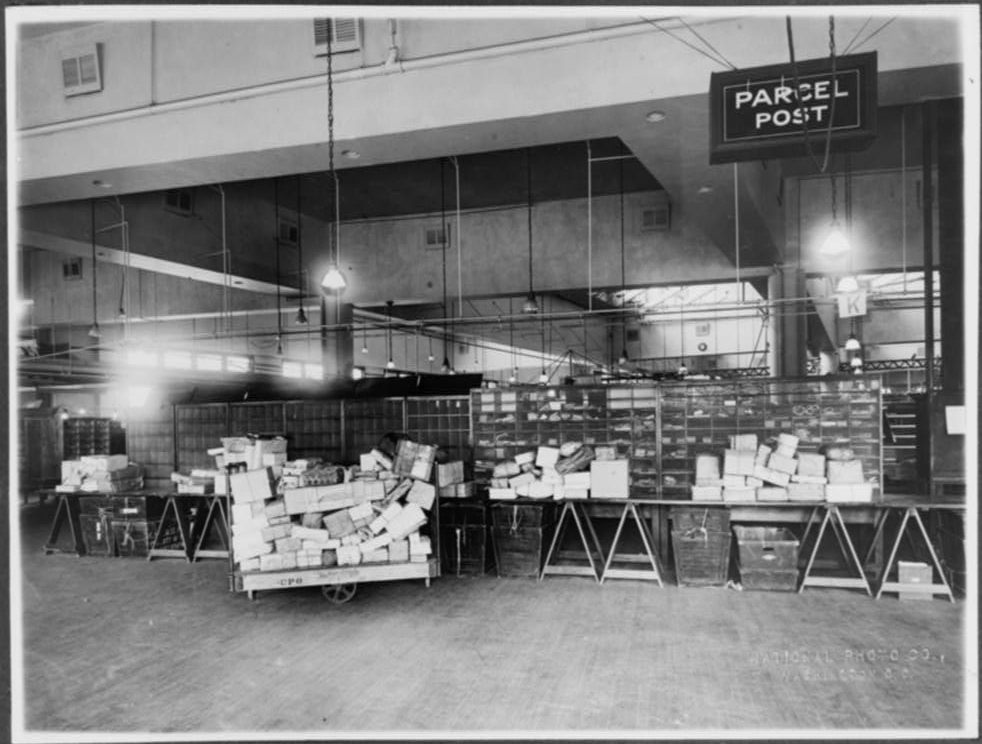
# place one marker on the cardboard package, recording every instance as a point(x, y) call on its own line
point(609, 479)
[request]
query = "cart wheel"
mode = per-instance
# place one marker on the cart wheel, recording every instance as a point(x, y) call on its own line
point(339, 593)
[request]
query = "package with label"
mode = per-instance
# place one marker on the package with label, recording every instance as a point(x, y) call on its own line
point(276, 532)
point(707, 468)
point(367, 463)
point(580, 479)
point(845, 472)
point(376, 543)
point(288, 544)
point(743, 442)
point(546, 457)
point(506, 469)
point(540, 490)
point(410, 519)
point(787, 444)
point(569, 449)
point(738, 462)
point(774, 477)
point(348, 555)
point(772, 493)
point(806, 492)
point(521, 480)
point(502, 493)
point(383, 461)
point(423, 494)
point(525, 458)
point(339, 524)
point(763, 453)
point(609, 479)
point(811, 463)
point(707, 493)
point(399, 551)
point(252, 485)
point(306, 533)
point(271, 562)
point(419, 544)
point(605, 453)
point(861, 493)
point(739, 494)
point(450, 473)
point(732, 481)
point(782, 464)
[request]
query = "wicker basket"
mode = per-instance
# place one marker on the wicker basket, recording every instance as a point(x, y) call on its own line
point(702, 557)
point(685, 518)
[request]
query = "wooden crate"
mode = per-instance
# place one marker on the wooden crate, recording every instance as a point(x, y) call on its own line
point(702, 558)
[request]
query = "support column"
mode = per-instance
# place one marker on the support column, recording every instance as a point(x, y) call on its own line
point(336, 342)
point(787, 355)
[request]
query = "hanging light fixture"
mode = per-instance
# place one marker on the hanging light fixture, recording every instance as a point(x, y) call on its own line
point(333, 279)
point(847, 284)
point(513, 377)
point(544, 377)
point(301, 314)
point(94, 331)
point(388, 333)
point(430, 357)
point(530, 306)
point(852, 343)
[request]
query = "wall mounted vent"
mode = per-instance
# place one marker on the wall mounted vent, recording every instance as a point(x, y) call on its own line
point(434, 238)
point(345, 35)
point(80, 70)
point(288, 232)
point(71, 269)
point(179, 201)
point(656, 218)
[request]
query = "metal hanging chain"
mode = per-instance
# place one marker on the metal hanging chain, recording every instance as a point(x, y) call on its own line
point(330, 134)
point(823, 166)
point(95, 319)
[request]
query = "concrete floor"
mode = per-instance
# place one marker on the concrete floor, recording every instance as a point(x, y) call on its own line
point(123, 645)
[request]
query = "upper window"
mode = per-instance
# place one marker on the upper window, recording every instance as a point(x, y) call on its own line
point(80, 71)
point(345, 35)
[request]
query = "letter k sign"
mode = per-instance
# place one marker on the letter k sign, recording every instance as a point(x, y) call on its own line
point(852, 304)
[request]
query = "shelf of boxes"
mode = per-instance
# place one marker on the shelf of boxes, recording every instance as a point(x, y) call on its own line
point(445, 421)
point(699, 418)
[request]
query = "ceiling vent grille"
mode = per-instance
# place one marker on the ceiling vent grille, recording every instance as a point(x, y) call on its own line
point(346, 35)
point(71, 269)
point(654, 219)
point(287, 232)
point(179, 201)
point(80, 71)
point(434, 238)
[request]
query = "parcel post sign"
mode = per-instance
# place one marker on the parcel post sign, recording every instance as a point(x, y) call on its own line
point(766, 112)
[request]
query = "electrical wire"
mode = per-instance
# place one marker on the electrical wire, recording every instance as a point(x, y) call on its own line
point(874, 33)
point(722, 63)
point(856, 35)
point(710, 46)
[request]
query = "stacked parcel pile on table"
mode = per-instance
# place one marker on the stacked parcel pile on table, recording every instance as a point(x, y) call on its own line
point(100, 474)
point(761, 472)
point(570, 471)
point(310, 515)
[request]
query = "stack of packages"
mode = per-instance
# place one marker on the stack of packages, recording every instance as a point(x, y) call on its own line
point(100, 474)
point(845, 477)
point(549, 472)
point(450, 481)
point(753, 472)
point(200, 482)
point(373, 516)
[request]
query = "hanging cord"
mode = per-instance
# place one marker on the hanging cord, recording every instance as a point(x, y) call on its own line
point(458, 530)
point(874, 33)
point(722, 63)
point(332, 240)
point(95, 315)
point(528, 196)
point(715, 51)
point(620, 166)
point(797, 87)
point(856, 35)
point(300, 283)
point(276, 236)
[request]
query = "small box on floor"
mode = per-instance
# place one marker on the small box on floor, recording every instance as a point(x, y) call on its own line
point(915, 572)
